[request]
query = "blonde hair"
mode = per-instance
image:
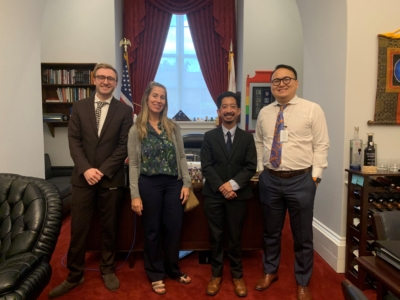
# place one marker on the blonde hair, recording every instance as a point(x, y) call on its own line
point(143, 117)
point(105, 66)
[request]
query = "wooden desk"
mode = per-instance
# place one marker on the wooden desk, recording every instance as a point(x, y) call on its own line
point(387, 276)
point(195, 233)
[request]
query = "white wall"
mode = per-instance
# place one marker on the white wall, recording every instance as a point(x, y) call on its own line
point(374, 18)
point(21, 134)
point(78, 31)
point(324, 26)
point(325, 49)
point(269, 33)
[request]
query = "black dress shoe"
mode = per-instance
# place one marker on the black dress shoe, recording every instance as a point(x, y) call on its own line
point(64, 288)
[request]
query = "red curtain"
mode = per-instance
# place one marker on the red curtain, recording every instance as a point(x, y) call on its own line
point(213, 27)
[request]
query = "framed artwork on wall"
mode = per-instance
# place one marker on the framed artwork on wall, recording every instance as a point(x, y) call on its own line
point(258, 95)
point(387, 103)
point(261, 96)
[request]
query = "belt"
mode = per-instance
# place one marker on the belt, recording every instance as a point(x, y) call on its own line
point(288, 174)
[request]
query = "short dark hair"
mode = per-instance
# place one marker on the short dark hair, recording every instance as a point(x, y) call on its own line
point(282, 66)
point(105, 66)
point(228, 94)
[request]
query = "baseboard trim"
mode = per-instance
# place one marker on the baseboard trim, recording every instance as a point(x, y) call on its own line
point(330, 246)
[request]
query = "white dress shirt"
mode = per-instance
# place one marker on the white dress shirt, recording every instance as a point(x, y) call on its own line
point(104, 111)
point(308, 140)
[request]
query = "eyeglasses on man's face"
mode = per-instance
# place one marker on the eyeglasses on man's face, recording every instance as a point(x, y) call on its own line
point(286, 80)
point(103, 78)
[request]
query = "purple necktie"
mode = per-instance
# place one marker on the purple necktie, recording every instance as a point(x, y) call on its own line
point(276, 149)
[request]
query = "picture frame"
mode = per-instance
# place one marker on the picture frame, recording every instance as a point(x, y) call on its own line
point(255, 86)
point(261, 97)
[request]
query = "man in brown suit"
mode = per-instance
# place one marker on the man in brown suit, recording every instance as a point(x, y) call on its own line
point(97, 136)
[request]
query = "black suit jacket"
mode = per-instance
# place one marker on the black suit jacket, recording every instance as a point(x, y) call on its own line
point(219, 167)
point(106, 152)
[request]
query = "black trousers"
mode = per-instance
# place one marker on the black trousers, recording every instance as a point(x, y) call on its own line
point(83, 203)
point(221, 212)
point(295, 195)
point(162, 224)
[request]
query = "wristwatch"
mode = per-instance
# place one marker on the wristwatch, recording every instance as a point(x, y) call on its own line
point(317, 179)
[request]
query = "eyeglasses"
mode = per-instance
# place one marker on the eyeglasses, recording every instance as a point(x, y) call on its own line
point(285, 80)
point(102, 78)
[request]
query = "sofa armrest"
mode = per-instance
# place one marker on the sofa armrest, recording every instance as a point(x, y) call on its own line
point(16, 269)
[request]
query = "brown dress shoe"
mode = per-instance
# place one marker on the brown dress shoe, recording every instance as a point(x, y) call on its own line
point(303, 293)
point(264, 282)
point(240, 287)
point(214, 285)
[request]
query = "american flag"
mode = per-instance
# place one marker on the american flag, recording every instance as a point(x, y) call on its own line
point(126, 92)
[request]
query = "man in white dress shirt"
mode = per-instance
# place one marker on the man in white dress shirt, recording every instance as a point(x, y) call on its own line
point(291, 158)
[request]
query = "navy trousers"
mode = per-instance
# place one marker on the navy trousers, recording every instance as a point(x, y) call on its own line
point(295, 195)
point(162, 224)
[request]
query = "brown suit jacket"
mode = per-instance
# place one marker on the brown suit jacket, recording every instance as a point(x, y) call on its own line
point(106, 152)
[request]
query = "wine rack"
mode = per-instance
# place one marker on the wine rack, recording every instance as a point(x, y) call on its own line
point(366, 195)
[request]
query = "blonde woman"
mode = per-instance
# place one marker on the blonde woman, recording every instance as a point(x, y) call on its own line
point(159, 183)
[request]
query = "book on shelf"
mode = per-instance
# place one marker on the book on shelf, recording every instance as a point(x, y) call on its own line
point(50, 100)
point(51, 76)
point(72, 94)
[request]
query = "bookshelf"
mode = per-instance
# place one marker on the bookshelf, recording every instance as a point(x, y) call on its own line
point(62, 85)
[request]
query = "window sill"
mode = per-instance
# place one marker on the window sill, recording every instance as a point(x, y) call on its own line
point(195, 126)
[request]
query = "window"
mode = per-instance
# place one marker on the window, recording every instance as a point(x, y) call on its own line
point(180, 72)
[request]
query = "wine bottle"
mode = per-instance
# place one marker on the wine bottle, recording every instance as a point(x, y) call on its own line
point(369, 152)
point(384, 181)
point(382, 197)
point(377, 205)
point(375, 183)
point(394, 200)
point(357, 194)
point(389, 206)
point(372, 197)
point(355, 151)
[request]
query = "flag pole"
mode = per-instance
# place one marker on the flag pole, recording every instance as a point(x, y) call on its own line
point(126, 91)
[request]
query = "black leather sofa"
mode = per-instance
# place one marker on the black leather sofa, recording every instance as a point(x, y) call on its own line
point(30, 223)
